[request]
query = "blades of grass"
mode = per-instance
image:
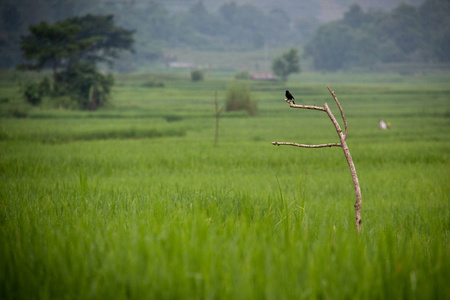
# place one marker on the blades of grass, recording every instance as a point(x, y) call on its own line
point(302, 206)
point(285, 212)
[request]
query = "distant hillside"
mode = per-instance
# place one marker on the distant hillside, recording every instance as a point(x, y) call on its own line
point(208, 25)
point(323, 10)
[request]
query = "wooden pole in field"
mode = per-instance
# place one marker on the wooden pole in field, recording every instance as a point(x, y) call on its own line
point(342, 144)
point(218, 112)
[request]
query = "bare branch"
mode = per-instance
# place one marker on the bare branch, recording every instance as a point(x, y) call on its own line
point(342, 112)
point(292, 105)
point(342, 144)
point(306, 146)
point(304, 106)
point(351, 166)
point(333, 120)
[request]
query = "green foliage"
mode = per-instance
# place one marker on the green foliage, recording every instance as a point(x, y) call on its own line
point(196, 75)
point(64, 101)
point(109, 40)
point(242, 75)
point(86, 85)
point(286, 64)
point(75, 45)
point(330, 46)
point(34, 91)
point(45, 86)
point(239, 97)
point(88, 38)
point(364, 39)
point(102, 207)
point(50, 45)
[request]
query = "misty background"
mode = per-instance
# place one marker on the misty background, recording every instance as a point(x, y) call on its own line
point(331, 35)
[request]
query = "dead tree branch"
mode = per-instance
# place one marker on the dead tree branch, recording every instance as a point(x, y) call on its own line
point(340, 109)
point(306, 106)
point(342, 144)
point(306, 146)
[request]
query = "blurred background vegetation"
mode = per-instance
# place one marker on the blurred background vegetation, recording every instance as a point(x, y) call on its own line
point(247, 35)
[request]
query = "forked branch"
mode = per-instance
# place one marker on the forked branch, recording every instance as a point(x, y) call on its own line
point(340, 109)
point(342, 144)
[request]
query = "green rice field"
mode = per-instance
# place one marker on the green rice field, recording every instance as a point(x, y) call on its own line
point(135, 201)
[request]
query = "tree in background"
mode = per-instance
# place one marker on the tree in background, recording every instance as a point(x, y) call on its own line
point(407, 34)
point(52, 45)
point(108, 40)
point(90, 38)
point(17, 15)
point(328, 57)
point(73, 48)
point(286, 64)
point(85, 84)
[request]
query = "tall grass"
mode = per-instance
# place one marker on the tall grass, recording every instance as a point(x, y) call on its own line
point(143, 217)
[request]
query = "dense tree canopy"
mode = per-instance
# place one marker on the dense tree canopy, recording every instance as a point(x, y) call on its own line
point(108, 40)
point(52, 44)
point(363, 39)
point(73, 48)
point(90, 38)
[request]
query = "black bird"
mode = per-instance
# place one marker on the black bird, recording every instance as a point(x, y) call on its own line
point(290, 97)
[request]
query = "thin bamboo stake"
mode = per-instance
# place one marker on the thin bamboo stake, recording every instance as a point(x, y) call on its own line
point(218, 112)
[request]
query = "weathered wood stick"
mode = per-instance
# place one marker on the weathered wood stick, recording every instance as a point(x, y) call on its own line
point(306, 146)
